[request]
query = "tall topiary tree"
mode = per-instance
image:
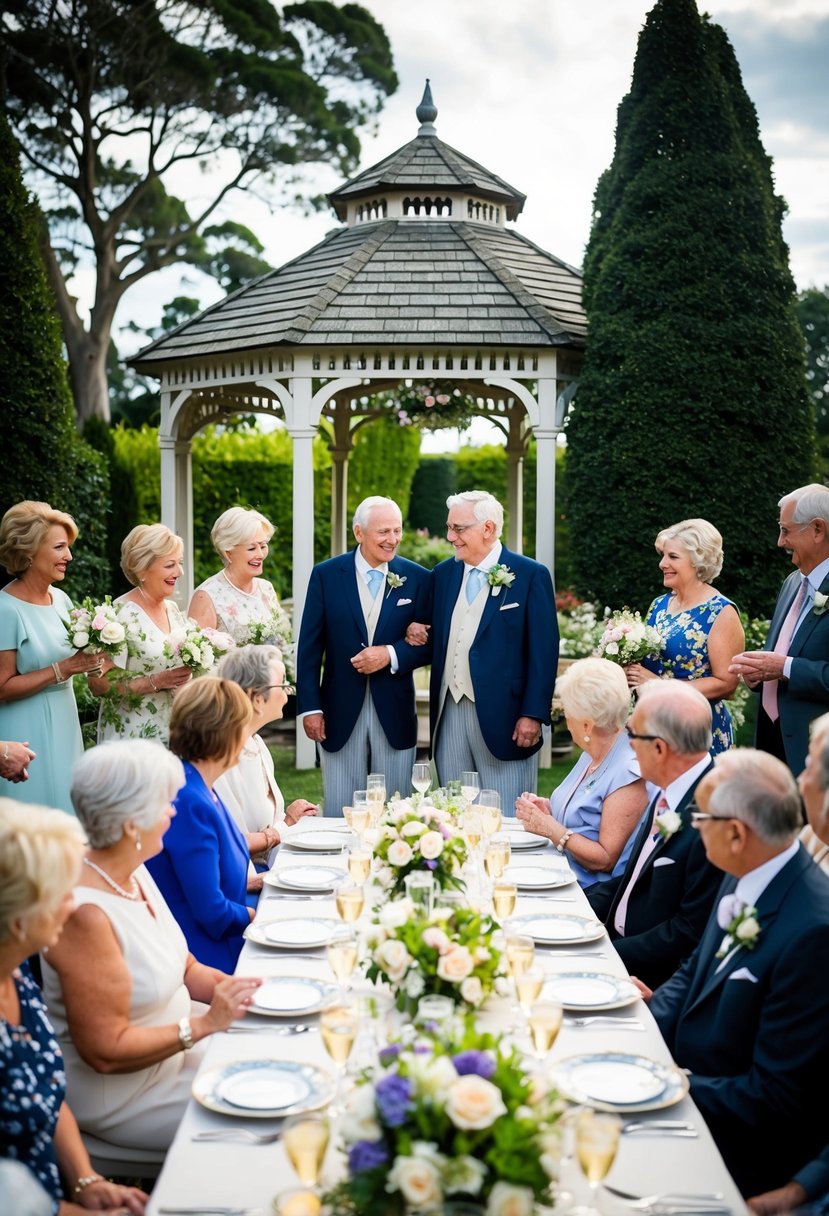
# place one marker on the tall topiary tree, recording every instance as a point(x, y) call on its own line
point(693, 398)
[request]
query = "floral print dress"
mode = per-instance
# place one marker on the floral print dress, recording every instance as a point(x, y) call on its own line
point(147, 716)
point(250, 617)
point(685, 656)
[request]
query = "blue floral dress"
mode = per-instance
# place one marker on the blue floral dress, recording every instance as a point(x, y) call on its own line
point(32, 1087)
point(685, 656)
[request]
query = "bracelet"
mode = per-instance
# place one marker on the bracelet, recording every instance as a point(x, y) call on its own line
point(86, 1181)
point(185, 1034)
point(153, 684)
point(59, 679)
point(562, 844)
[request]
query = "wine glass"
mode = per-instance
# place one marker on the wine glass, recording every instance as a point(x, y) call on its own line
point(359, 863)
point(489, 802)
point(376, 787)
point(497, 856)
point(338, 1029)
point(528, 987)
point(520, 955)
point(470, 785)
point(341, 953)
point(421, 777)
point(597, 1140)
point(544, 1022)
point(350, 900)
point(504, 895)
point(305, 1140)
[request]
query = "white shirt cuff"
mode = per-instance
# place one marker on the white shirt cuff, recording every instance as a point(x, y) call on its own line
point(392, 659)
point(787, 668)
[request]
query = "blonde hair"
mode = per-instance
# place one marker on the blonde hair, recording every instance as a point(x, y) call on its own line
point(141, 547)
point(597, 689)
point(209, 719)
point(23, 530)
point(702, 541)
point(238, 526)
point(40, 860)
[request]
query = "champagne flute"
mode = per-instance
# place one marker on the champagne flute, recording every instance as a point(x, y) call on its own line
point(520, 953)
point(350, 900)
point(338, 1029)
point(360, 819)
point(544, 1022)
point(597, 1141)
point(376, 787)
point(421, 777)
point(305, 1140)
point(489, 802)
point(504, 895)
point(470, 785)
point(528, 987)
point(472, 827)
point(497, 857)
point(359, 863)
point(341, 953)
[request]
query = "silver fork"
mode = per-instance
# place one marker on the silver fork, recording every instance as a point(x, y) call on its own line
point(300, 1028)
point(598, 1017)
point(676, 1200)
point(240, 1134)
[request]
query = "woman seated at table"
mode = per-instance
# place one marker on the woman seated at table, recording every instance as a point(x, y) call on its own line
point(203, 870)
point(40, 858)
point(128, 1000)
point(249, 791)
point(593, 815)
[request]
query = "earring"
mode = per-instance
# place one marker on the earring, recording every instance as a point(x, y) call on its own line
point(586, 738)
point(137, 845)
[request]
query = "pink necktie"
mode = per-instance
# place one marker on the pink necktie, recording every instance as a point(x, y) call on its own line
point(781, 646)
point(647, 848)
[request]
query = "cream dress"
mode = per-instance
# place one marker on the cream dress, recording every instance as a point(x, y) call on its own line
point(136, 1109)
point(236, 611)
point(149, 716)
point(249, 790)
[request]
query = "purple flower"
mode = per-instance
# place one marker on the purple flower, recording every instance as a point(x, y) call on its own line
point(431, 865)
point(390, 1052)
point(479, 1063)
point(728, 909)
point(393, 1097)
point(444, 831)
point(366, 1155)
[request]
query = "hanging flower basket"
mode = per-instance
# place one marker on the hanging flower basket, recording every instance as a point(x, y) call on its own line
point(432, 405)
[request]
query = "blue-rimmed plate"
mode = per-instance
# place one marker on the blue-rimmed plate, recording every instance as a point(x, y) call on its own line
point(263, 1089)
point(305, 878)
point(320, 841)
point(617, 1081)
point(589, 990)
point(539, 878)
point(290, 996)
point(301, 933)
point(558, 928)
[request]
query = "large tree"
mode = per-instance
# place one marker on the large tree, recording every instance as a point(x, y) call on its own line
point(813, 315)
point(693, 399)
point(122, 105)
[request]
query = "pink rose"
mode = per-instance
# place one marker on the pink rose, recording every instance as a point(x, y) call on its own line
point(428, 402)
point(99, 621)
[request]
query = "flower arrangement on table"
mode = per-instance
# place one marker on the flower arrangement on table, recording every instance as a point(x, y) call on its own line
point(449, 953)
point(101, 628)
point(627, 639)
point(197, 648)
point(449, 1118)
point(414, 835)
point(275, 631)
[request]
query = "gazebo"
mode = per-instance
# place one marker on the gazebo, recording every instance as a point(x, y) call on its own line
point(423, 280)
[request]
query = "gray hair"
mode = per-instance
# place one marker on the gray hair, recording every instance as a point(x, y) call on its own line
point(597, 689)
point(678, 713)
point(760, 791)
point(819, 733)
point(485, 506)
point(702, 542)
point(811, 502)
point(122, 780)
point(363, 513)
point(250, 667)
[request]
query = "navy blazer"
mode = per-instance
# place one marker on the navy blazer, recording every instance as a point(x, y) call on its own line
point(514, 655)
point(754, 1034)
point(333, 631)
point(805, 695)
point(670, 903)
point(202, 872)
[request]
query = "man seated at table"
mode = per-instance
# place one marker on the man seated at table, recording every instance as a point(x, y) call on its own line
point(656, 910)
point(747, 1013)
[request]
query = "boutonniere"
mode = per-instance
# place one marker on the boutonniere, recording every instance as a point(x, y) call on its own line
point(820, 603)
point(668, 824)
point(395, 582)
point(742, 928)
point(499, 576)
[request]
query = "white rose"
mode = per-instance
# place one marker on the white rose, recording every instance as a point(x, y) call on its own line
point(472, 990)
point(394, 914)
point(747, 929)
point(80, 639)
point(384, 875)
point(671, 822)
point(474, 1103)
point(112, 633)
point(362, 1121)
point(208, 657)
point(436, 939)
point(438, 815)
point(432, 1075)
point(431, 845)
point(417, 1179)
point(413, 828)
point(482, 954)
point(399, 854)
point(508, 1200)
point(394, 958)
point(414, 984)
point(464, 1175)
point(610, 648)
point(455, 965)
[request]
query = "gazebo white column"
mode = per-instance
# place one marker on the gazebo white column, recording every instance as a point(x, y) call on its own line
point(340, 451)
point(545, 476)
point(302, 432)
point(177, 503)
point(516, 450)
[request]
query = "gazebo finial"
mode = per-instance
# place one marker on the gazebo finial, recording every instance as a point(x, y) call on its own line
point(426, 112)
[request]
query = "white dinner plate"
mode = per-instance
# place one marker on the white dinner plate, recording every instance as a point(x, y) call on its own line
point(304, 933)
point(305, 878)
point(539, 878)
point(262, 1089)
point(285, 996)
point(589, 990)
point(520, 838)
point(558, 929)
point(617, 1081)
point(319, 841)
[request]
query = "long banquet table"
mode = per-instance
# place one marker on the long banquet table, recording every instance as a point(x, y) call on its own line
point(203, 1175)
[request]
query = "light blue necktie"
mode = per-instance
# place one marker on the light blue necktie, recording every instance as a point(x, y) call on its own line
point(375, 578)
point(474, 582)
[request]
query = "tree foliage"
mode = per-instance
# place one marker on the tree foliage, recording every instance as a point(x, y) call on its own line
point(120, 104)
point(693, 399)
point(813, 315)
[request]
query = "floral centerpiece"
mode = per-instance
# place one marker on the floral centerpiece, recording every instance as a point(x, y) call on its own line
point(415, 835)
point(627, 639)
point(275, 631)
point(457, 1118)
point(449, 953)
point(197, 648)
point(100, 628)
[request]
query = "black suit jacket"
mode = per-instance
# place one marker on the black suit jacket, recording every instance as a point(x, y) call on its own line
point(669, 905)
point(755, 1034)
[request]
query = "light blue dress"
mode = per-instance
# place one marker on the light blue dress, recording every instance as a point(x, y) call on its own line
point(47, 720)
point(577, 804)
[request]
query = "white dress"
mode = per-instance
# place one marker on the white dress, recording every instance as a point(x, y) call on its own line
point(249, 789)
point(138, 1109)
point(237, 612)
point(147, 716)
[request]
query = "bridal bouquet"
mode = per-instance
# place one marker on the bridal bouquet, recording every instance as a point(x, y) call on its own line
point(449, 953)
point(197, 648)
point(275, 631)
point(627, 639)
point(457, 1118)
point(417, 836)
point(100, 628)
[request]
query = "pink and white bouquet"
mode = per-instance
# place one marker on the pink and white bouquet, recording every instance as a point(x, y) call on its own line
point(275, 631)
point(197, 648)
point(627, 639)
point(100, 628)
point(417, 836)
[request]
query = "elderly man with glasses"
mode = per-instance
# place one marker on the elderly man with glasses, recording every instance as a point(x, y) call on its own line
point(656, 910)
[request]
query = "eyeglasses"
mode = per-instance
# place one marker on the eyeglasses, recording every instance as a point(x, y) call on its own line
point(703, 817)
point(459, 529)
point(289, 688)
point(631, 734)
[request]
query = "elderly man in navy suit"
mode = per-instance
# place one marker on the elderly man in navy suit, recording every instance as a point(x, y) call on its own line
point(354, 670)
point(747, 1013)
point(792, 674)
point(494, 652)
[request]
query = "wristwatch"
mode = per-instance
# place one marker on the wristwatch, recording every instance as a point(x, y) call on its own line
point(562, 844)
point(185, 1034)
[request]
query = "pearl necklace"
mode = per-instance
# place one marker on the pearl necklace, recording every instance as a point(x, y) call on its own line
point(133, 895)
point(249, 594)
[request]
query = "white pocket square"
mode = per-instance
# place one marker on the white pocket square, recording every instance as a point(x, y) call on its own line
point(663, 861)
point(400, 603)
point(743, 973)
point(506, 607)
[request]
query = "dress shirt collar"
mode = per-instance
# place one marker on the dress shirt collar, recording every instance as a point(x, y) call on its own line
point(363, 567)
point(678, 788)
point(492, 558)
point(752, 885)
point(816, 577)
